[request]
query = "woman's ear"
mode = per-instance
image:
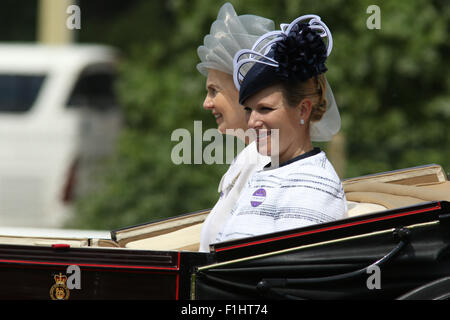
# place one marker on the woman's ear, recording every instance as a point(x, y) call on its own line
point(305, 108)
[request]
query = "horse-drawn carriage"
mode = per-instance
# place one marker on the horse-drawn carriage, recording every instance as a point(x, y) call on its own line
point(394, 245)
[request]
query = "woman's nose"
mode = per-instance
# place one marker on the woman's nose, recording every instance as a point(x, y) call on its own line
point(253, 120)
point(208, 103)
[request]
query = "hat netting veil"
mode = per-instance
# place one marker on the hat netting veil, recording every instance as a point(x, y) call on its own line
point(229, 34)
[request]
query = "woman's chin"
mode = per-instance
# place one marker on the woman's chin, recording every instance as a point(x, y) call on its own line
point(222, 128)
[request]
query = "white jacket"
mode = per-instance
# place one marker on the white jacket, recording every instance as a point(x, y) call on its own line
point(233, 181)
point(304, 192)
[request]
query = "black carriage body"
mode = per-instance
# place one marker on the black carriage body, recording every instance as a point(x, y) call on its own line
point(325, 261)
point(378, 256)
point(28, 272)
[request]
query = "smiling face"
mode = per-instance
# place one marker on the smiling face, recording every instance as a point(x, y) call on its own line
point(266, 110)
point(222, 100)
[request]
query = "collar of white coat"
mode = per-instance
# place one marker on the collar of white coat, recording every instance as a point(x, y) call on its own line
point(247, 159)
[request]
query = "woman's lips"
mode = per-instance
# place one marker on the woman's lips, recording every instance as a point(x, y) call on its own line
point(263, 141)
point(262, 134)
point(217, 116)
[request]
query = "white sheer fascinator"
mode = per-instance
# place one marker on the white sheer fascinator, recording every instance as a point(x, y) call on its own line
point(229, 34)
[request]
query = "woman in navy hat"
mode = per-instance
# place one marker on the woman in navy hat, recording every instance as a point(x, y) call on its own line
point(287, 101)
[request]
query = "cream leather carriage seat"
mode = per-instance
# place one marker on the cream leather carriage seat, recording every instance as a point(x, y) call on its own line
point(360, 208)
point(396, 189)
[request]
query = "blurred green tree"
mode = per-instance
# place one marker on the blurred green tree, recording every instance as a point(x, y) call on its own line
point(391, 86)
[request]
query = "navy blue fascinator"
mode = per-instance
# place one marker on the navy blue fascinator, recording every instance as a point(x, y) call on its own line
point(291, 55)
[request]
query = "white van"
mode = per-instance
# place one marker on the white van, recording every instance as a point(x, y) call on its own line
point(58, 121)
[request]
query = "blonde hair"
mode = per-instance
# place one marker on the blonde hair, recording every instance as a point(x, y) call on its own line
point(314, 87)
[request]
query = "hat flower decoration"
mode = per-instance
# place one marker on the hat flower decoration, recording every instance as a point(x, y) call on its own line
point(297, 51)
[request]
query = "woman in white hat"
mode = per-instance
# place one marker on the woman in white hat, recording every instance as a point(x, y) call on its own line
point(229, 34)
point(282, 85)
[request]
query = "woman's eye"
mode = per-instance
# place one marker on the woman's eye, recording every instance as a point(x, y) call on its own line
point(265, 109)
point(247, 109)
point(212, 91)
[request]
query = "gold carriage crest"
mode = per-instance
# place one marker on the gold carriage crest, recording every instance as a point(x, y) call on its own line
point(59, 290)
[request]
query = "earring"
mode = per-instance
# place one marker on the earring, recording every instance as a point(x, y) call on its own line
point(302, 121)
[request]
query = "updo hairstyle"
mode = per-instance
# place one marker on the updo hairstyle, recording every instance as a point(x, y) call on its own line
point(314, 88)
